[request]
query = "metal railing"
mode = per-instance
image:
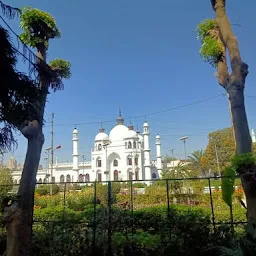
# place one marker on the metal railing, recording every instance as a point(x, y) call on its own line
point(101, 211)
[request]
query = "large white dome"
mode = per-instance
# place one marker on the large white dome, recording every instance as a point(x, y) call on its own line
point(118, 133)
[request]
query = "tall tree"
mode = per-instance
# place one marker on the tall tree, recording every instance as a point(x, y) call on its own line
point(195, 162)
point(38, 28)
point(220, 150)
point(218, 39)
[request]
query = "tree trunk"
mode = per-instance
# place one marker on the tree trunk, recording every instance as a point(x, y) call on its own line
point(234, 84)
point(239, 118)
point(19, 216)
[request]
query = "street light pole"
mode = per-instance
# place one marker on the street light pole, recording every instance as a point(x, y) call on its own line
point(184, 140)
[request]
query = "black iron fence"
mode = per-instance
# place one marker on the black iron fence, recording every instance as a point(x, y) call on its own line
point(126, 217)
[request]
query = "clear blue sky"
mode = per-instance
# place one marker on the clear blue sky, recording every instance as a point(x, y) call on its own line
point(144, 56)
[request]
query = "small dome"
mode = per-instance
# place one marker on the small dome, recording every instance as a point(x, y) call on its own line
point(131, 134)
point(145, 124)
point(101, 135)
point(157, 136)
point(118, 133)
point(140, 138)
point(75, 131)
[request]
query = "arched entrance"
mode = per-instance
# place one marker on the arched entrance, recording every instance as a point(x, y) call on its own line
point(81, 178)
point(87, 177)
point(115, 175)
point(99, 176)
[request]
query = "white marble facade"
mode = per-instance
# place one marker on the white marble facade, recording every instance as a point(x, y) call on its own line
point(124, 154)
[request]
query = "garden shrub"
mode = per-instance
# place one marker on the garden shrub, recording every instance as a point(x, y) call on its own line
point(45, 189)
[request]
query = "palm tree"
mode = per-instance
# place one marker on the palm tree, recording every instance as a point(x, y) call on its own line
point(195, 161)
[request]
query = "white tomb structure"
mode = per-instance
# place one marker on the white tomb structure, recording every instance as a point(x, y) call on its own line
point(124, 154)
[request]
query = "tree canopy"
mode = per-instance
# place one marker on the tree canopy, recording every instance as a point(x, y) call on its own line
point(222, 142)
point(195, 162)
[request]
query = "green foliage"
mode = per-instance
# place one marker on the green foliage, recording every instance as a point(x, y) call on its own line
point(62, 67)
point(227, 185)
point(17, 94)
point(211, 49)
point(243, 161)
point(241, 246)
point(223, 142)
point(196, 161)
point(38, 27)
point(204, 27)
point(6, 183)
point(45, 189)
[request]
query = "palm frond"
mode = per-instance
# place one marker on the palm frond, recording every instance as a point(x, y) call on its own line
point(8, 11)
point(18, 94)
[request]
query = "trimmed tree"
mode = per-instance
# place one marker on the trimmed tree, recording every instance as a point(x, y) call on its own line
point(38, 28)
point(218, 40)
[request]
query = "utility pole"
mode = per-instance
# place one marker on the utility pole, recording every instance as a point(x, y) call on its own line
point(52, 152)
point(185, 150)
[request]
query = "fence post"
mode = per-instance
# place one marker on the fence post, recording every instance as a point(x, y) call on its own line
point(211, 201)
point(109, 251)
point(94, 218)
point(168, 198)
point(64, 202)
point(131, 205)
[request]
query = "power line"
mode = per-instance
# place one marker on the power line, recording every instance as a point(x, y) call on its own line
point(148, 114)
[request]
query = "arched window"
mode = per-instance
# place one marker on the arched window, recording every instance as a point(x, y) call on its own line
point(136, 160)
point(68, 178)
point(115, 163)
point(81, 178)
point(99, 147)
point(153, 176)
point(134, 144)
point(15, 181)
point(129, 160)
point(99, 177)
point(87, 177)
point(130, 175)
point(115, 175)
point(62, 179)
point(136, 175)
point(98, 162)
point(45, 180)
point(129, 144)
point(40, 181)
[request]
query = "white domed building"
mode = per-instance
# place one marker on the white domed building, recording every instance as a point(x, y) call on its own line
point(124, 154)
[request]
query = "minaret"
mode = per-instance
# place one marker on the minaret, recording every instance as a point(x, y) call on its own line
point(253, 136)
point(75, 155)
point(159, 165)
point(147, 161)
